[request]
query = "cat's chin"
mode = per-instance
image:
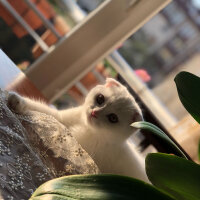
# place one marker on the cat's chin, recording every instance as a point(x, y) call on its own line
point(91, 120)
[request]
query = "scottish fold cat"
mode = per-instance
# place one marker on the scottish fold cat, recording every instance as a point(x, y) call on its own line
point(101, 125)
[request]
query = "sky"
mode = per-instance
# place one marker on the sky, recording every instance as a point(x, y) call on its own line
point(196, 3)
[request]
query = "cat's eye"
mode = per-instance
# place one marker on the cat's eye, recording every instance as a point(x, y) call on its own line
point(100, 99)
point(112, 118)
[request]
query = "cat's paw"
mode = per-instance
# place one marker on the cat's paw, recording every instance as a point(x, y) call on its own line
point(16, 103)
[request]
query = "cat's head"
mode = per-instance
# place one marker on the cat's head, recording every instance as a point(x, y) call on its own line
point(111, 108)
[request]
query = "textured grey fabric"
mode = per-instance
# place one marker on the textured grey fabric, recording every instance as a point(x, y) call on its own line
point(33, 149)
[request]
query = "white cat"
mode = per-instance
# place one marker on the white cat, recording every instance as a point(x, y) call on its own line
point(101, 125)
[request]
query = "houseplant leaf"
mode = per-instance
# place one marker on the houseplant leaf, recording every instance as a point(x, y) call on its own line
point(160, 134)
point(99, 187)
point(175, 175)
point(188, 87)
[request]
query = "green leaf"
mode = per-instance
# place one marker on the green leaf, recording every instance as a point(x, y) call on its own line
point(161, 135)
point(98, 187)
point(175, 175)
point(188, 87)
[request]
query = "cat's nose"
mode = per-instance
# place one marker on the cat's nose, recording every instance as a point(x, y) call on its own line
point(94, 114)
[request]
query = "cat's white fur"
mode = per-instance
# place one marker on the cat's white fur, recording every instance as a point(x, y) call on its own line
point(104, 141)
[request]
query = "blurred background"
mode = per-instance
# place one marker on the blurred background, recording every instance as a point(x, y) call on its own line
point(165, 45)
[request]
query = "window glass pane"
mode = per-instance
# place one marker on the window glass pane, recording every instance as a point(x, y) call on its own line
point(163, 50)
point(49, 21)
point(89, 5)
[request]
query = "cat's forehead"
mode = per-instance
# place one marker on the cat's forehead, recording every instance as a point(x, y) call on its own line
point(111, 89)
point(121, 103)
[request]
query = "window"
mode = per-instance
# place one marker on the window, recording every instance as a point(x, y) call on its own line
point(146, 58)
point(174, 13)
point(165, 55)
point(188, 31)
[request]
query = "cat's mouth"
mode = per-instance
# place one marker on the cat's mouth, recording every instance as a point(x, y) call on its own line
point(91, 116)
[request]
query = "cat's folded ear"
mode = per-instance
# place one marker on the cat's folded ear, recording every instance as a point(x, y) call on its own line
point(110, 82)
